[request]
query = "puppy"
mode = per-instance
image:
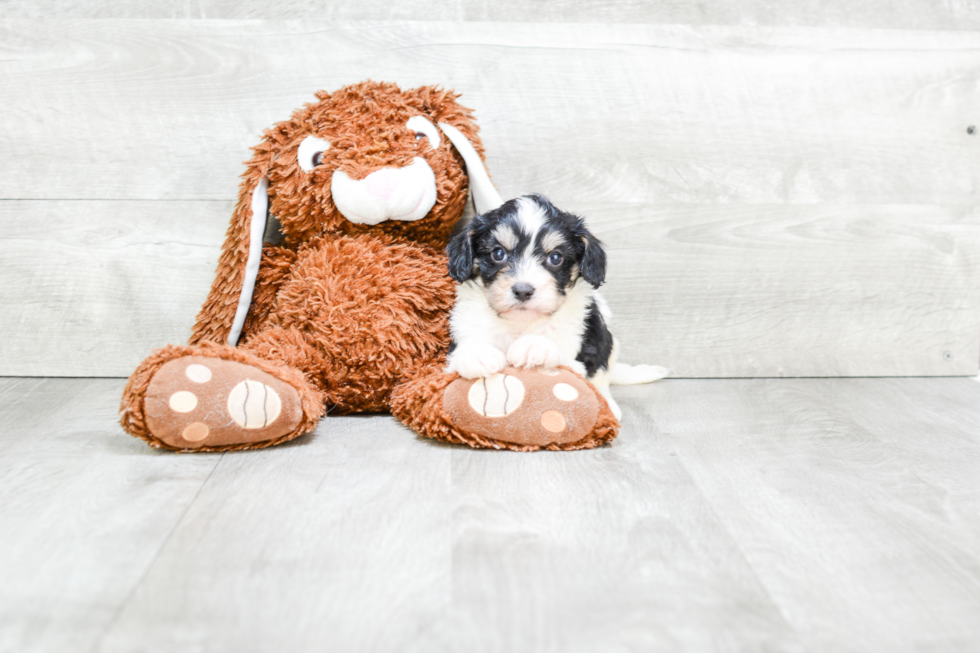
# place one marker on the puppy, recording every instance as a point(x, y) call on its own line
point(528, 275)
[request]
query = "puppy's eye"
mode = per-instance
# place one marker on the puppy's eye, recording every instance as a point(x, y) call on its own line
point(419, 136)
point(310, 152)
point(498, 254)
point(555, 259)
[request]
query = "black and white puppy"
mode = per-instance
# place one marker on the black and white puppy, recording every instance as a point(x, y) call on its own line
point(528, 275)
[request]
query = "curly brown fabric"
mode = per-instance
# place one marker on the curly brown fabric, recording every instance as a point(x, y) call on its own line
point(365, 125)
point(418, 404)
point(132, 415)
point(275, 266)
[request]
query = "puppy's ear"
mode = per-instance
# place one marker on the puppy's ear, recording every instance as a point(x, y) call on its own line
point(460, 252)
point(593, 266)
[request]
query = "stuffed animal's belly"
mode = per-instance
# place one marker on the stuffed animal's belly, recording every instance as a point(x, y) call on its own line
point(377, 310)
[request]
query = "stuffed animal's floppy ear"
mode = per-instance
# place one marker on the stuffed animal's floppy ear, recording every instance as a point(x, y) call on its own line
point(223, 313)
point(485, 196)
point(593, 265)
point(460, 252)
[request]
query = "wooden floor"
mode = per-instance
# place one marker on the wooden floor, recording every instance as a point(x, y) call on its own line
point(736, 515)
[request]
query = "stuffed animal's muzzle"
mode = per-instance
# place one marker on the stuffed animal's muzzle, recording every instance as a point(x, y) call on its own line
point(404, 194)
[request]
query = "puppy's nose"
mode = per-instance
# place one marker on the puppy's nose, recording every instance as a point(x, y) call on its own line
point(523, 291)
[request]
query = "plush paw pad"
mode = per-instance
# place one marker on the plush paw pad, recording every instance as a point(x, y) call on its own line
point(198, 401)
point(524, 407)
point(496, 396)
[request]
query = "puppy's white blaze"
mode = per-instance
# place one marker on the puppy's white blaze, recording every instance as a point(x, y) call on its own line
point(404, 194)
point(531, 216)
point(527, 269)
point(505, 235)
point(551, 240)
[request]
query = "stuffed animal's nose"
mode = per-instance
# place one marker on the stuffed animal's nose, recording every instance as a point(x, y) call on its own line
point(382, 183)
point(522, 291)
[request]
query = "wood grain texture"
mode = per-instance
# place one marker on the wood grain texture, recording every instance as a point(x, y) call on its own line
point(778, 202)
point(85, 511)
point(784, 514)
point(90, 288)
point(905, 14)
point(746, 291)
point(128, 109)
point(341, 541)
point(855, 501)
point(614, 550)
point(709, 291)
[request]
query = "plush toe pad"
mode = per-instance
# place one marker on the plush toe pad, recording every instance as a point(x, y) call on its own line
point(524, 407)
point(198, 401)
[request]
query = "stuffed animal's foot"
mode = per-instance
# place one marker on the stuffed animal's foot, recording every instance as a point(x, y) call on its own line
point(524, 410)
point(206, 402)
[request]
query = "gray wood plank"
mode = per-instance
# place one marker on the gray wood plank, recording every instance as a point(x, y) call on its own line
point(855, 501)
point(906, 14)
point(366, 538)
point(341, 541)
point(609, 550)
point(90, 287)
point(747, 291)
point(128, 109)
point(792, 514)
point(85, 511)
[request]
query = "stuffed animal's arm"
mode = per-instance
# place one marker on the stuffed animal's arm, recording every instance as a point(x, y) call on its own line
point(275, 267)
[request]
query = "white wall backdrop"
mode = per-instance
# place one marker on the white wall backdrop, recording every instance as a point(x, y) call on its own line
point(783, 191)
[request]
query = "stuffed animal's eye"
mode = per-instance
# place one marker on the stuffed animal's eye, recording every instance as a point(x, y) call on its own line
point(498, 254)
point(423, 129)
point(555, 259)
point(310, 152)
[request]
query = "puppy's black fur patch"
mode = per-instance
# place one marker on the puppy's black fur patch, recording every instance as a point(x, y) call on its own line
point(582, 254)
point(597, 343)
point(471, 255)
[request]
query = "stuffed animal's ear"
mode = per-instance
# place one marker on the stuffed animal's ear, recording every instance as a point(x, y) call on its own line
point(593, 265)
point(460, 252)
point(485, 196)
point(223, 313)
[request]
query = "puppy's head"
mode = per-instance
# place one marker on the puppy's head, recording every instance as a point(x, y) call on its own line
point(527, 255)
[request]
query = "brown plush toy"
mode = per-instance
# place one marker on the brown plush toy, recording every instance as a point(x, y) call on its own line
point(346, 308)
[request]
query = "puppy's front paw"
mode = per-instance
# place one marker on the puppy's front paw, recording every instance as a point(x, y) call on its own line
point(534, 351)
point(474, 360)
